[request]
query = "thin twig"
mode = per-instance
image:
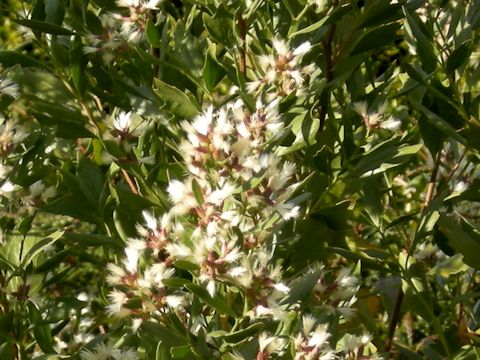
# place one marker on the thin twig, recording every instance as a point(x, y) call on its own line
point(327, 55)
point(395, 318)
point(130, 182)
point(242, 31)
point(400, 295)
point(433, 180)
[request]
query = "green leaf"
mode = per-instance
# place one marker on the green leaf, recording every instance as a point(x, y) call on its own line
point(176, 101)
point(380, 12)
point(431, 135)
point(6, 324)
point(25, 225)
point(216, 302)
point(33, 166)
point(459, 56)
point(239, 335)
point(460, 240)
point(313, 236)
point(11, 58)
point(44, 27)
point(5, 264)
point(41, 330)
point(449, 266)
point(472, 193)
point(372, 200)
point(376, 38)
point(175, 282)
point(428, 219)
point(154, 332)
point(338, 13)
point(64, 128)
point(423, 40)
point(153, 35)
point(35, 250)
point(68, 123)
point(83, 240)
point(77, 65)
point(384, 156)
point(407, 353)
point(50, 357)
point(301, 287)
point(186, 265)
point(93, 184)
point(311, 28)
point(197, 191)
point(93, 23)
point(212, 71)
point(71, 205)
point(41, 245)
point(162, 351)
point(344, 68)
point(38, 12)
point(180, 352)
point(441, 124)
point(305, 128)
point(54, 12)
point(220, 26)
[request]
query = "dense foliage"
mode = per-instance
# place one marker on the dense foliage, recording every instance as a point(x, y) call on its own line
point(239, 179)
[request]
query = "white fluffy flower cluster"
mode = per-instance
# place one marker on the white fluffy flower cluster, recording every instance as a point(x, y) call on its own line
point(141, 288)
point(108, 351)
point(222, 217)
point(379, 119)
point(312, 341)
point(8, 87)
point(237, 192)
point(283, 71)
point(120, 29)
point(337, 294)
point(133, 25)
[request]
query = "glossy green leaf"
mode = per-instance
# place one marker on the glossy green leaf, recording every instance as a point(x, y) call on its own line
point(93, 184)
point(220, 26)
point(212, 71)
point(10, 58)
point(71, 205)
point(383, 157)
point(380, 12)
point(161, 351)
point(310, 28)
point(153, 35)
point(78, 239)
point(461, 241)
point(459, 56)
point(428, 220)
point(450, 266)
point(376, 38)
point(35, 250)
point(423, 40)
point(441, 124)
point(301, 287)
point(197, 192)
point(41, 330)
point(216, 302)
point(176, 101)
point(93, 23)
point(77, 65)
point(239, 335)
point(181, 352)
point(44, 27)
point(54, 11)
point(152, 331)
